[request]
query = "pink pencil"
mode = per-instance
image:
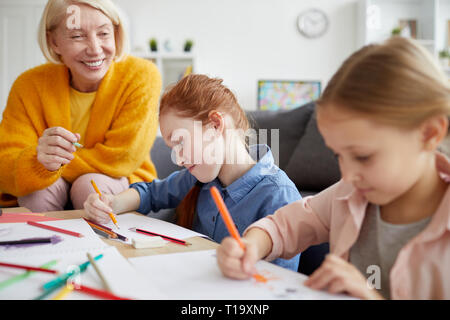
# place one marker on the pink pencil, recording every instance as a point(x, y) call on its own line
point(40, 225)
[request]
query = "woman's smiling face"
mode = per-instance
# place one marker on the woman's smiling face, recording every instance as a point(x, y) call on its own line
point(87, 49)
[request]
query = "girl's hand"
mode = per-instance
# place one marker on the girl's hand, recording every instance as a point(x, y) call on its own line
point(234, 262)
point(97, 208)
point(340, 276)
point(55, 147)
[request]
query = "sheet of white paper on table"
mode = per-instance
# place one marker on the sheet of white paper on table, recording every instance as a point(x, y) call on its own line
point(196, 275)
point(122, 277)
point(18, 231)
point(131, 220)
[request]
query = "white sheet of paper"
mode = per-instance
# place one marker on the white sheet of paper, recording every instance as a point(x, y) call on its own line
point(120, 274)
point(131, 220)
point(195, 275)
point(18, 231)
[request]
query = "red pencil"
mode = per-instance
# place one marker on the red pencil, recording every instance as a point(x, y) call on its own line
point(99, 293)
point(150, 233)
point(27, 267)
point(40, 225)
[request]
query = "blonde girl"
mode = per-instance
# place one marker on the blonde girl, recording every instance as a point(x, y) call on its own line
point(384, 114)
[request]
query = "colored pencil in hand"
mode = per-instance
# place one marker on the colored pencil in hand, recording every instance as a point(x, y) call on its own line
point(226, 216)
point(111, 215)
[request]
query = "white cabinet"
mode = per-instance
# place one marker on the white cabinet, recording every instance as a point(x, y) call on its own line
point(171, 65)
point(19, 49)
point(377, 19)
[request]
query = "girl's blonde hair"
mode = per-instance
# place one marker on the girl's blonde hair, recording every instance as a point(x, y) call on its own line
point(54, 13)
point(397, 82)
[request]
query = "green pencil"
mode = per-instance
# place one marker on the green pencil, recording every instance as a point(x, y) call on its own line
point(76, 144)
point(25, 275)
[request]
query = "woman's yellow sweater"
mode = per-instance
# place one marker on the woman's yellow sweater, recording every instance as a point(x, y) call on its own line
point(118, 138)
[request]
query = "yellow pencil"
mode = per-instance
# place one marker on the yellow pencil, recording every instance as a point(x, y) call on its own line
point(68, 288)
point(113, 218)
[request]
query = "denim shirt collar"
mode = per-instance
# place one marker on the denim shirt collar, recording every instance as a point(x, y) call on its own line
point(264, 166)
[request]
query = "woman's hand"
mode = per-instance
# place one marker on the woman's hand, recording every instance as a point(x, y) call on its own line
point(55, 147)
point(235, 262)
point(340, 276)
point(98, 208)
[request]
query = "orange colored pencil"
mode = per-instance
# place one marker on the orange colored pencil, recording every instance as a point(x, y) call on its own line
point(226, 216)
point(100, 194)
point(230, 225)
point(111, 233)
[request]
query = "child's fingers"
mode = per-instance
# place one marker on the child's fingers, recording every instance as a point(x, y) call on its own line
point(229, 259)
point(96, 209)
point(231, 248)
point(338, 285)
point(101, 204)
point(322, 276)
point(250, 258)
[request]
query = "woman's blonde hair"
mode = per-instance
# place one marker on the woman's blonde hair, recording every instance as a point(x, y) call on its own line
point(397, 82)
point(55, 11)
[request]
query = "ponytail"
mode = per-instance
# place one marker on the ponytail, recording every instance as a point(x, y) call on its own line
point(185, 212)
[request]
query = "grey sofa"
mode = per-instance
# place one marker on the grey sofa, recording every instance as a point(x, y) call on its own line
point(302, 154)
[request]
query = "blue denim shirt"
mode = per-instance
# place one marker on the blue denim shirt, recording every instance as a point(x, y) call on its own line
point(258, 193)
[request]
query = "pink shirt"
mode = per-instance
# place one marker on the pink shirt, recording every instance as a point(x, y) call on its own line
point(422, 267)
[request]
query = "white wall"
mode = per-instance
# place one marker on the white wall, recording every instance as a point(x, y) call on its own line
point(242, 41)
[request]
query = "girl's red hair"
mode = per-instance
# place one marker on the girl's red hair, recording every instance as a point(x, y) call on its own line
point(195, 96)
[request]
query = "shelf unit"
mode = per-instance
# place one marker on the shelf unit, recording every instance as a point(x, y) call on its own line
point(172, 65)
point(377, 18)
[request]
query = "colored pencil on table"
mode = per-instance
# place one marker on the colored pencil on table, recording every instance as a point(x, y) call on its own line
point(68, 288)
point(20, 277)
point(57, 282)
point(90, 222)
point(226, 216)
point(44, 226)
point(26, 241)
point(111, 215)
point(11, 265)
point(99, 272)
point(94, 226)
point(149, 233)
point(99, 293)
point(101, 233)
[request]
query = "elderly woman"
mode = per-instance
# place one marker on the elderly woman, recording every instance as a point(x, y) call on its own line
point(91, 113)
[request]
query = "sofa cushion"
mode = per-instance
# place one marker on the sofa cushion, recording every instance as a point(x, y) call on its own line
point(312, 165)
point(161, 158)
point(291, 125)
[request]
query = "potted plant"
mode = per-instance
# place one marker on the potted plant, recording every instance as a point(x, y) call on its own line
point(188, 45)
point(444, 57)
point(396, 31)
point(153, 44)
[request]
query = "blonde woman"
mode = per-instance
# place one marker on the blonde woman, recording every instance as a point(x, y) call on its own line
point(90, 113)
point(384, 114)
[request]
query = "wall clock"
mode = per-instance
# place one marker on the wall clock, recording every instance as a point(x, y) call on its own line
point(312, 23)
